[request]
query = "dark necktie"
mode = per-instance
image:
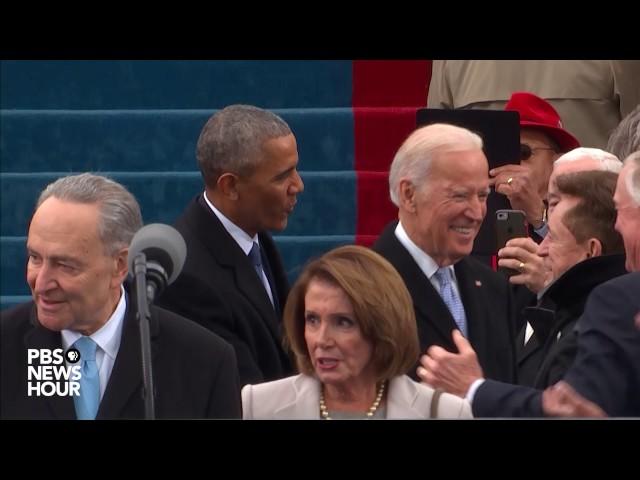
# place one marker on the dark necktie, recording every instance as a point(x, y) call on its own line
point(260, 265)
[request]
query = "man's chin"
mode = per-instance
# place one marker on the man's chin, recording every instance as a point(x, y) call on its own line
point(52, 322)
point(278, 226)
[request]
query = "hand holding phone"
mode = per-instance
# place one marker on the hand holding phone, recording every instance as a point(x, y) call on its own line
point(510, 224)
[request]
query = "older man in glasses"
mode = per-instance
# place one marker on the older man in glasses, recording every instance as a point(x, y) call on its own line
point(542, 141)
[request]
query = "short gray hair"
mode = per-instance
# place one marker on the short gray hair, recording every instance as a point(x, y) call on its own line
point(414, 157)
point(625, 139)
point(120, 216)
point(608, 161)
point(232, 139)
point(632, 180)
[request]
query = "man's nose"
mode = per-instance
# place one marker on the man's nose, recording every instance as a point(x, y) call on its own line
point(44, 279)
point(477, 209)
point(298, 185)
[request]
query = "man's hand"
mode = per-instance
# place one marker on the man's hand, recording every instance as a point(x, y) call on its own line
point(521, 254)
point(561, 400)
point(516, 183)
point(453, 372)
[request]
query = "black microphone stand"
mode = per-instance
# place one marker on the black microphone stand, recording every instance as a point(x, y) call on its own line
point(144, 317)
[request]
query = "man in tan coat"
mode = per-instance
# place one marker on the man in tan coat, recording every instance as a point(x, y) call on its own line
point(591, 96)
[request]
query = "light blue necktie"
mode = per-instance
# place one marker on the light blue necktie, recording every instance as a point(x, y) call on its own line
point(89, 399)
point(451, 298)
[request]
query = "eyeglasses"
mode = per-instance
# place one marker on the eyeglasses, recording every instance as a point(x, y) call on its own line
point(526, 151)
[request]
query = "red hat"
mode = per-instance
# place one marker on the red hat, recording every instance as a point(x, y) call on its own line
point(539, 114)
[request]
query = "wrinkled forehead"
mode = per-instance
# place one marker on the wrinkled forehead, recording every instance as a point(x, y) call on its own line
point(65, 222)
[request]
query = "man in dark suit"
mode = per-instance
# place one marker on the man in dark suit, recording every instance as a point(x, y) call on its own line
point(537, 275)
point(233, 281)
point(606, 371)
point(583, 252)
point(78, 245)
point(439, 181)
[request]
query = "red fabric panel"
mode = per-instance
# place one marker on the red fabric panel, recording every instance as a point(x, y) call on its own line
point(366, 240)
point(378, 132)
point(386, 95)
point(374, 206)
point(393, 83)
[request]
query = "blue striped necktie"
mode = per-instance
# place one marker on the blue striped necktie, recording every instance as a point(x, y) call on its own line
point(451, 298)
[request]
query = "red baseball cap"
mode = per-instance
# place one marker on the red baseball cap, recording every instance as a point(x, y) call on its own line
point(539, 114)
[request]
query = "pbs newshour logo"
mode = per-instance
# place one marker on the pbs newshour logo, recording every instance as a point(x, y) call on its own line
point(48, 375)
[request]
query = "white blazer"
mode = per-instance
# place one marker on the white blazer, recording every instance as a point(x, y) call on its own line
point(298, 398)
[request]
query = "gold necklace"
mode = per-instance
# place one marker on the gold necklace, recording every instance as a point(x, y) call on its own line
point(324, 412)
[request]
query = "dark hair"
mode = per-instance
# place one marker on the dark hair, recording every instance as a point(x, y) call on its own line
point(232, 139)
point(595, 214)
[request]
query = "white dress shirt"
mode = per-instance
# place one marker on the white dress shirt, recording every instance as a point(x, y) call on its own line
point(428, 266)
point(107, 339)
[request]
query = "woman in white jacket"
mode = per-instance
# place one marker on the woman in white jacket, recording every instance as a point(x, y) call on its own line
point(350, 322)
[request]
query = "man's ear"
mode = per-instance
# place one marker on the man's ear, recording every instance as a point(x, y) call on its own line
point(228, 185)
point(594, 247)
point(407, 195)
point(120, 267)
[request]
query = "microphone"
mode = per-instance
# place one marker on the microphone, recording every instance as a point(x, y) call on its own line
point(158, 251)
point(156, 257)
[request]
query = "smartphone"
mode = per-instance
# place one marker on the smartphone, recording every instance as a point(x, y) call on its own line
point(510, 224)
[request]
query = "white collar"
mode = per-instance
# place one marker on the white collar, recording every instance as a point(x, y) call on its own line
point(240, 236)
point(424, 261)
point(109, 335)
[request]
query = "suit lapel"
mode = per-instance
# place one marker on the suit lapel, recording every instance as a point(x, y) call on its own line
point(306, 403)
point(523, 352)
point(401, 399)
point(277, 267)
point(541, 320)
point(228, 254)
point(473, 296)
point(40, 337)
point(431, 311)
point(126, 376)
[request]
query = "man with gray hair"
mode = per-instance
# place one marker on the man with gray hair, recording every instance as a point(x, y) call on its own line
point(78, 245)
point(625, 139)
point(233, 281)
point(522, 254)
point(440, 182)
point(605, 378)
point(605, 375)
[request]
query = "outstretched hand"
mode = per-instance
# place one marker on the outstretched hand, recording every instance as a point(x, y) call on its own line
point(453, 372)
point(561, 400)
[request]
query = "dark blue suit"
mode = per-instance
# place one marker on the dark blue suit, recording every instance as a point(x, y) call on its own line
point(606, 369)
